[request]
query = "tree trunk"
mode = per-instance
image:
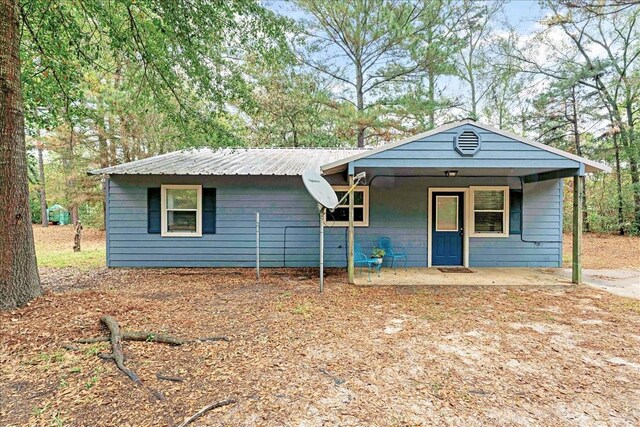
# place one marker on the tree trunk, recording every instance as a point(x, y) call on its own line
point(632, 153)
point(19, 279)
point(431, 78)
point(104, 162)
point(75, 216)
point(43, 192)
point(360, 105)
point(576, 140)
point(619, 185)
point(432, 98)
point(77, 237)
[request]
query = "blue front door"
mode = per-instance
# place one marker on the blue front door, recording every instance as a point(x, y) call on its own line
point(447, 220)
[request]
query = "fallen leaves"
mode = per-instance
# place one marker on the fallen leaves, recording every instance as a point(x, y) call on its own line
point(351, 356)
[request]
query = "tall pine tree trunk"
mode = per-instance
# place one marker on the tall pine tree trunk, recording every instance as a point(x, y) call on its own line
point(619, 185)
point(360, 104)
point(43, 191)
point(634, 160)
point(19, 280)
point(68, 160)
point(432, 98)
point(578, 145)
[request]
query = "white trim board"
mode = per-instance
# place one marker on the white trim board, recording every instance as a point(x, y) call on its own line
point(365, 207)
point(590, 165)
point(163, 210)
point(505, 210)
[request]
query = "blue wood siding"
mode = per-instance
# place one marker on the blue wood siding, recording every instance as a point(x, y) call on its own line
point(398, 209)
point(284, 206)
point(539, 245)
point(437, 151)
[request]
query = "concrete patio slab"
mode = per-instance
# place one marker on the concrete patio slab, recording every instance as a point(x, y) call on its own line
point(623, 282)
point(486, 276)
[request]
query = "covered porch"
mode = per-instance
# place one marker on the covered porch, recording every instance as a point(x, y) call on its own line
point(467, 174)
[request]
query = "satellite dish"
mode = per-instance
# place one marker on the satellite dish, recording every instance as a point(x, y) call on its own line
point(320, 189)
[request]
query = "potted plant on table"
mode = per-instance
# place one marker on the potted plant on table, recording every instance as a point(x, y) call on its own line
point(378, 254)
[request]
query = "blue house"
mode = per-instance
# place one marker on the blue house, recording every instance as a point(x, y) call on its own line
point(464, 194)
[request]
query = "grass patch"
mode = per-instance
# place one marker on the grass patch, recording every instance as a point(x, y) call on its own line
point(304, 309)
point(627, 305)
point(54, 247)
point(61, 258)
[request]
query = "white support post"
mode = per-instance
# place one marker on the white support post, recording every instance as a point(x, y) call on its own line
point(258, 246)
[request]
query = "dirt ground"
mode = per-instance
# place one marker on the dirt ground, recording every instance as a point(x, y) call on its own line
point(60, 237)
point(54, 247)
point(605, 251)
point(351, 356)
point(377, 356)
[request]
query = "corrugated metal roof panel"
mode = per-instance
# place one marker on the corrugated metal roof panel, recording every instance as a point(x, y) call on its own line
point(233, 161)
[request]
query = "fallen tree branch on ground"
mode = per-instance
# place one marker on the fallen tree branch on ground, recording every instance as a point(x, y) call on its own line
point(150, 337)
point(169, 378)
point(206, 409)
point(116, 337)
point(116, 347)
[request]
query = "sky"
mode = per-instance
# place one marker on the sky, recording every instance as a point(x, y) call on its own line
point(520, 13)
point(523, 15)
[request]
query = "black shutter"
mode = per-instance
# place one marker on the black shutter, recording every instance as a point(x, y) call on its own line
point(153, 210)
point(515, 211)
point(208, 211)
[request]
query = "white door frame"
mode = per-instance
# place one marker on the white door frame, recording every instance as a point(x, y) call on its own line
point(465, 221)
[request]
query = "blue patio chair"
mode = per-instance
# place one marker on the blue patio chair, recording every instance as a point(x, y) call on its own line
point(389, 252)
point(361, 259)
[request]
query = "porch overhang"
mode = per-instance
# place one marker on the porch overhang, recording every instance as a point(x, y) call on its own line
point(530, 174)
point(527, 175)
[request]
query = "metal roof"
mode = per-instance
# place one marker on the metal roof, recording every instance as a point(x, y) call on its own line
point(232, 161)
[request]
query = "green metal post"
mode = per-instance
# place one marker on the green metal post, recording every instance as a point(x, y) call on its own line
point(351, 237)
point(576, 273)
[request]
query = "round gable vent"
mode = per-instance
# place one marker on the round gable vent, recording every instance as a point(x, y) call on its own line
point(467, 143)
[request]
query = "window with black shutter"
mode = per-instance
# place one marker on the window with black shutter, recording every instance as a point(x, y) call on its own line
point(208, 211)
point(154, 210)
point(515, 211)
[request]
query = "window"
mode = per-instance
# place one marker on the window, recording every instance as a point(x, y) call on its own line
point(340, 216)
point(490, 215)
point(446, 213)
point(181, 210)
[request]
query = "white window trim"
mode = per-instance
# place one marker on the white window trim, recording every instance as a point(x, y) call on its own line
point(457, 223)
point(365, 206)
point(163, 216)
point(505, 210)
point(465, 221)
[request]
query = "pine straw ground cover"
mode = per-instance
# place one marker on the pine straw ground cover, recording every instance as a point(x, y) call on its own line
point(352, 356)
point(605, 251)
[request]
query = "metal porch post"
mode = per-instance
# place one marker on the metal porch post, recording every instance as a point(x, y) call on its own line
point(576, 273)
point(321, 210)
point(350, 237)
